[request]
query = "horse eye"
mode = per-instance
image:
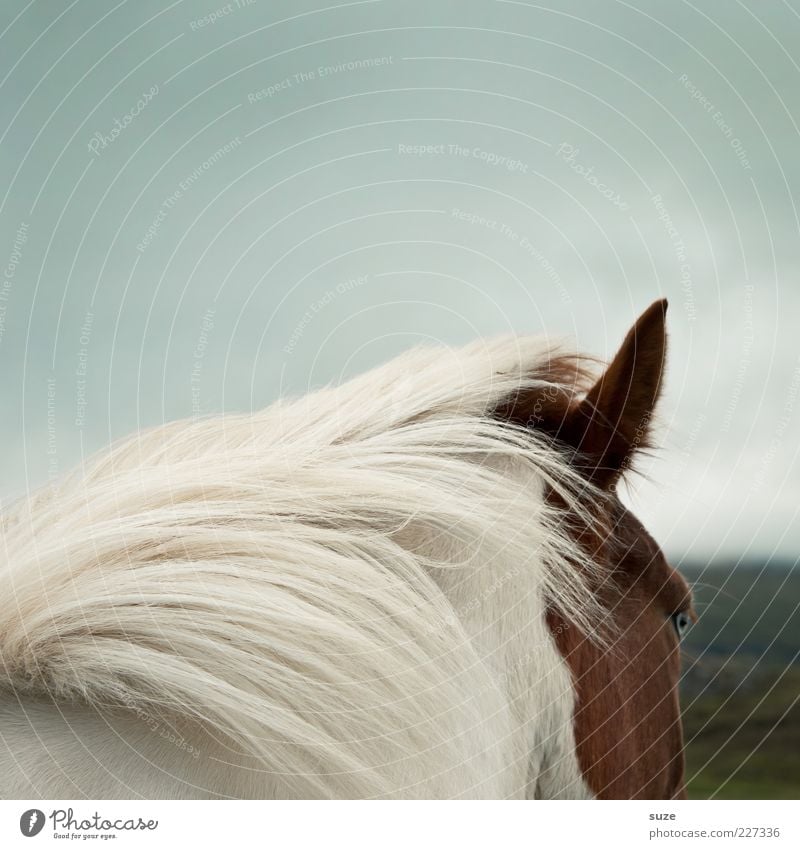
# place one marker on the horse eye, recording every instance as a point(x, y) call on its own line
point(681, 622)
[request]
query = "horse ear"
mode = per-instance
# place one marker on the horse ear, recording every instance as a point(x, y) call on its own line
point(613, 420)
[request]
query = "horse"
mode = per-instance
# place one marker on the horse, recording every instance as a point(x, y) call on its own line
point(421, 583)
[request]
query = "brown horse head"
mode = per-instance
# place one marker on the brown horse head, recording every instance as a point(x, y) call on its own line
point(627, 718)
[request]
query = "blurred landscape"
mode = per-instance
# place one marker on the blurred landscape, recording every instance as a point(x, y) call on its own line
point(740, 691)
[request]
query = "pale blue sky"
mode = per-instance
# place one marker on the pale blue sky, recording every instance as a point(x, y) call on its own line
point(296, 191)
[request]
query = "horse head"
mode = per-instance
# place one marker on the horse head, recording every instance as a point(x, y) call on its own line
point(628, 734)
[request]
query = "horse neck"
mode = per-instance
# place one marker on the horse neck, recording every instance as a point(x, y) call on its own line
point(501, 607)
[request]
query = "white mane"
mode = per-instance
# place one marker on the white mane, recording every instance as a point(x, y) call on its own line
point(344, 593)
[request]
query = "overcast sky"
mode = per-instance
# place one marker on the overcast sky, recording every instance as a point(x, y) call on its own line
point(205, 206)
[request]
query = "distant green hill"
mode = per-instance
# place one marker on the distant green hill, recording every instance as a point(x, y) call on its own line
point(746, 610)
point(740, 690)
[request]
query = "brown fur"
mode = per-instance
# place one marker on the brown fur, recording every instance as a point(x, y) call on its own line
point(627, 720)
